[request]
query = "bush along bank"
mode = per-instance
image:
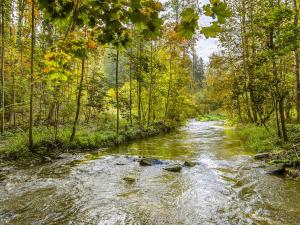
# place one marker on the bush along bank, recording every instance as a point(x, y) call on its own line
point(14, 146)
point(282, 158)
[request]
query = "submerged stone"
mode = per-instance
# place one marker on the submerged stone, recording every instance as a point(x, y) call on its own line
point(150, 162)
point(189, 163)
point(174, 168)
point(278, 169)
point(146, 162)
point(129, 179)
point(262, 156)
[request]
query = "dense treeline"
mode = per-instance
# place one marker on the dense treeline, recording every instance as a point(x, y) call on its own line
point(258, 68)
point(110, 66)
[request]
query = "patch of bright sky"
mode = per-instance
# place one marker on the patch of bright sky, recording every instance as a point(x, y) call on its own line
point(206, 46)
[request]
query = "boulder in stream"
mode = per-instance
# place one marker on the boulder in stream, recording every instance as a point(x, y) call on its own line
point(262, 156)
point(150, 162)
point(174, 168)
point(189, 163)
point(146, 162)
point(277, 169)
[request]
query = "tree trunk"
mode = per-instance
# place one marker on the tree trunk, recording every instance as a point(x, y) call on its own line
point(117, 90)
point(78, 101)
point(246, 67)
point(169, 88)
point(139, 83)
point(251, 66)
point(282, 119)
point(31, 77)
point(12, 115)
point(130, 91)
point(296, 66)
point(150, 88)
point(2, 67)
point(277, 119)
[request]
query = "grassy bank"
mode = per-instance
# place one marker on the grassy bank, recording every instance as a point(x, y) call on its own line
point(262, 141)
point(14, 145)
point(211, 117)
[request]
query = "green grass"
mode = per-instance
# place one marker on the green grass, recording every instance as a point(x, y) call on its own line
point(211, 117)
point(258, 138)
point(14, 146)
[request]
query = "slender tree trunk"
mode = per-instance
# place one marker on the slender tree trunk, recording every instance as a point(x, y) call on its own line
point(296, 66)
point(2, 67)
point(117, 90)
point(169, 88)
point(139, 83)
point(31, 77)
point(130, 91)
point(56, 121)
point(251, 66)
point(277, 119)
point(19, 42)
point(78, 101)
point(282, 119)
point(12, 114)
point(150, 88)
point(245, 62)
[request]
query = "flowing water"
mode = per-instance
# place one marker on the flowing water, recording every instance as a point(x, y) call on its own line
point(226, 187)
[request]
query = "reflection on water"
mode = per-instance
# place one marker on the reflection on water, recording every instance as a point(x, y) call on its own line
point(227, 187)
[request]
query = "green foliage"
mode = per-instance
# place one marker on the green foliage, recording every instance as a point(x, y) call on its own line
point(217, 10)
point(212, 31)
point(211, 117)
point(110, 18)
point(188, 24)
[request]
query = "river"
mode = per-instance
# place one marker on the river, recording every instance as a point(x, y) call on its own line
point(226, 186)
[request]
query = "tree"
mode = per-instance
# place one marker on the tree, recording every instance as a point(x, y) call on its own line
point(31, 76)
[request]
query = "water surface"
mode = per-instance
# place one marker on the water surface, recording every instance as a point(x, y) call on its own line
point(226, 187)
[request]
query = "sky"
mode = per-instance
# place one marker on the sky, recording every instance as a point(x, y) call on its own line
point(206, 46)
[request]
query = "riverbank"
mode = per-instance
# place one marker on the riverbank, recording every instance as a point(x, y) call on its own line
point(275, 151)
point(14, 146)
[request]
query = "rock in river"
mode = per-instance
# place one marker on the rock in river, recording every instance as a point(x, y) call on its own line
point(278, 169)
point(262, 156)
point(189, 163)
point(150, 162)
point(174, 168)
point(146, 162)
point(129, 179)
